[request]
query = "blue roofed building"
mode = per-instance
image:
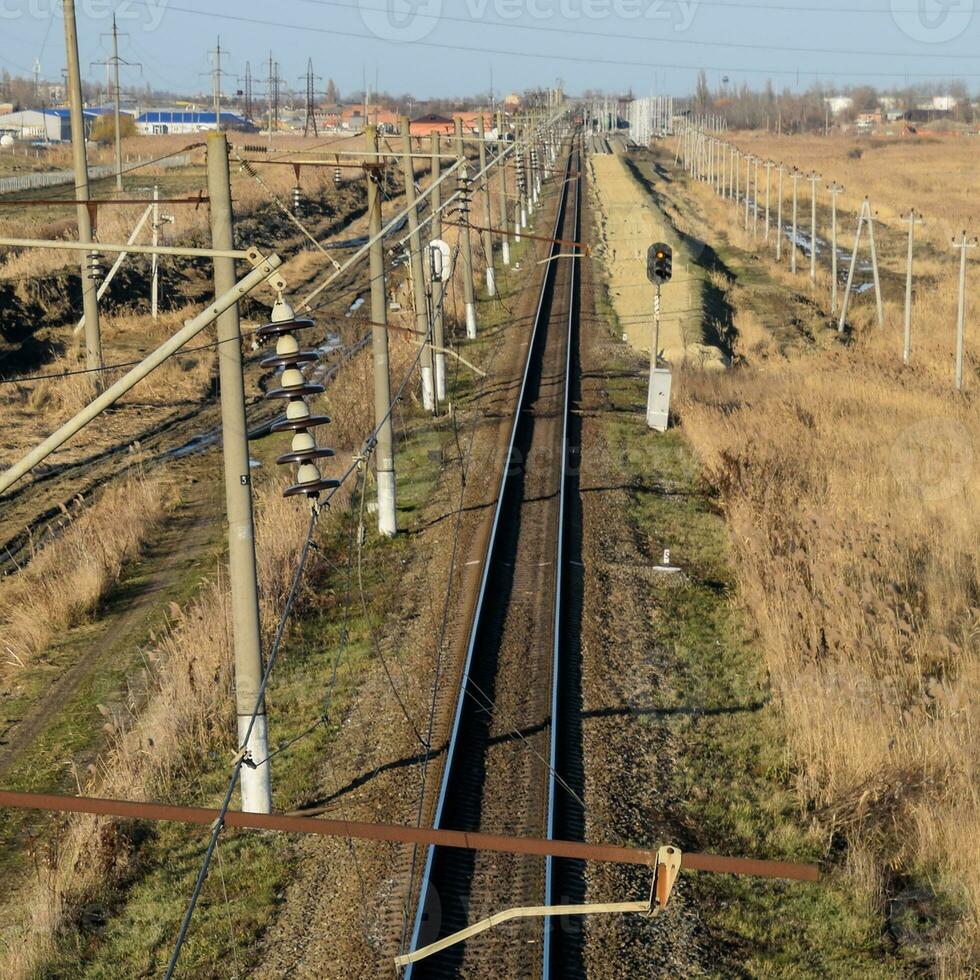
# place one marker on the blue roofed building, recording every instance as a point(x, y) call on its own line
point(156, 122)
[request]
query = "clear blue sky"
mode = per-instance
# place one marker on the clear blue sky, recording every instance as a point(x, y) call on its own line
point(448, 47)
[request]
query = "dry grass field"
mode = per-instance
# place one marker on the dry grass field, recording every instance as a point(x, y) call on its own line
point(850, 481)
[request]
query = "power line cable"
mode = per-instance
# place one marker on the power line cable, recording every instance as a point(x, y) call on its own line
point(576, 58)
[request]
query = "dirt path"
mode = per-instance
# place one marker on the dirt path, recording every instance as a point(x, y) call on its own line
point(172, 559)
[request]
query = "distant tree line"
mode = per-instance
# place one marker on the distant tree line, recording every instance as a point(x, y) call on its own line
point(746, 108)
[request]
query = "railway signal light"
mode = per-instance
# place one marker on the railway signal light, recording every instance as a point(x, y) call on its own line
point(659, 263)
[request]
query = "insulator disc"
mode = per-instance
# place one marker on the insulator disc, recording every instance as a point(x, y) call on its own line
point(310, 489)
point(304, 455)
point(295, 425)
point(297, 391)
point(286, 326)
point(286, 360)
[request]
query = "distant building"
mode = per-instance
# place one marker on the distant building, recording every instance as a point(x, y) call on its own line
point(512, 102)
point(432, 123)
point(353, 117)
point(471, 121)
point(158, 122)
point(839, 104)
point(52, 125)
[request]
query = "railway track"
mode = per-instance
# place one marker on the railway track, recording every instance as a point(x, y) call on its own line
point(510, 767)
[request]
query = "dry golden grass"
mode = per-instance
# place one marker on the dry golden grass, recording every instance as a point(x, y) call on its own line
point(189, 715)
point(934, 174)
point(67, 579)
point(850, 484)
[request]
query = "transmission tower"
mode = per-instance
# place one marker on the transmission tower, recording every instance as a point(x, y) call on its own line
point(248, 91)
point(310, 100)
point(216, 74)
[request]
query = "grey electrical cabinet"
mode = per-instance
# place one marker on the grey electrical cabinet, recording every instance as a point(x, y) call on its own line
point(658, 399)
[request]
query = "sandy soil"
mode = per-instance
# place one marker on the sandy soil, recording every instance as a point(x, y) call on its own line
point(628, 223)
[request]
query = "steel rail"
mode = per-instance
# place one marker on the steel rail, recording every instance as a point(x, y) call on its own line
point(556, 664)
point(448, 768)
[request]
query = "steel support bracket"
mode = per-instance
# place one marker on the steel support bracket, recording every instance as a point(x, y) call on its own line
point(665, 871)
point(255, 259)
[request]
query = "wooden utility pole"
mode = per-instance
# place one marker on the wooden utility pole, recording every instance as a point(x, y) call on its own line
point(385, 449)
point(90, 301)
point(415, 264)
point(243, 577)
point(913, 219)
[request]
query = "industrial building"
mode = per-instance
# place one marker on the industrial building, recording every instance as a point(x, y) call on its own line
point(156, 122)
point(50, 125)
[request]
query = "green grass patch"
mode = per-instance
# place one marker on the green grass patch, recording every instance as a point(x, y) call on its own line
point(733, 774)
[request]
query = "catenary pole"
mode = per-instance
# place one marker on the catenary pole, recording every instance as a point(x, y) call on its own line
point(385, 452)
point(487, 212)
point(243, 576)
point(90, 302)
point(469, 296)
point(438, 322)
point(415, 259)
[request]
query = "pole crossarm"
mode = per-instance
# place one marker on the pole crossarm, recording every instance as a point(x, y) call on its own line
point(201, 253)
point(400, 834)
point(265, 268)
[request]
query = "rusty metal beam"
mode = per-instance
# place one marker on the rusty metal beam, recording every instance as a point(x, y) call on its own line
point(397, 833)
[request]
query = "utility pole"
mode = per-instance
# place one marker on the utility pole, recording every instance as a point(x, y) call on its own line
point(385, 450)
point(273, 94)
point(216, 74)
point(502, 168)
point(114, 62)
point(780, 170)
point(248, 91)
point(438, 321)
point(158, 221)
point(748, 187)
point(255, 783)
point(310, 122)
point(755, 209)
point(769, 166)
point(813, 178)
point(487, 212)
point(90, 301)
point(795, 176)
point(964, 244)
point(469, 297)
point(738, 188)
point(865, 215)
point(418, 276)
point(913, 219)
point(834, 189)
